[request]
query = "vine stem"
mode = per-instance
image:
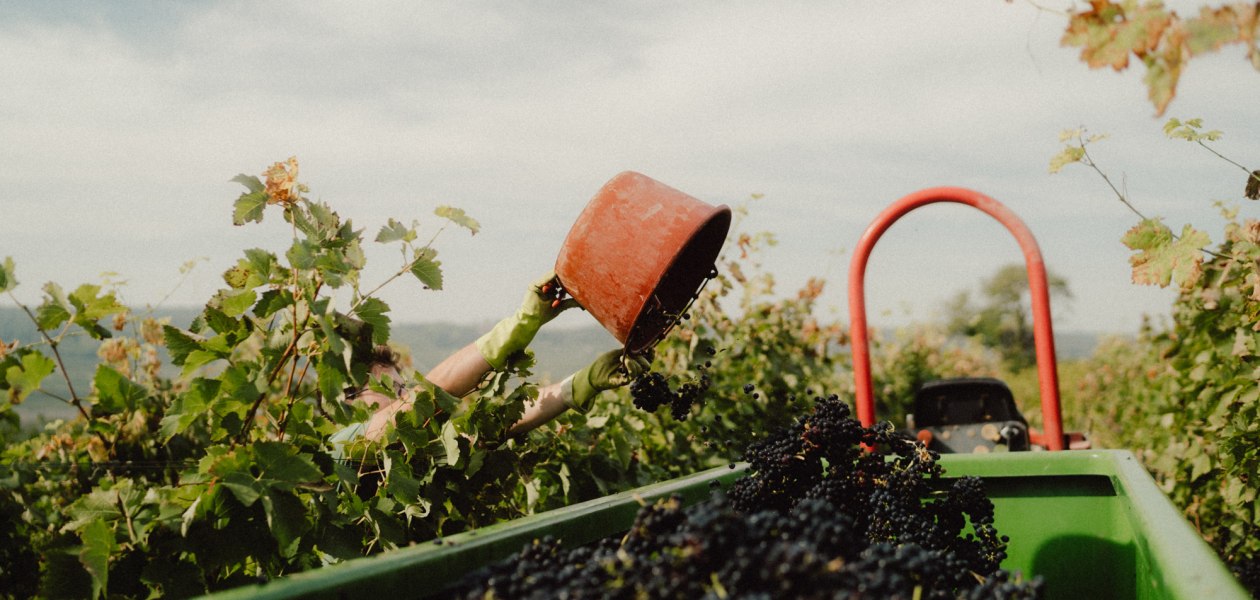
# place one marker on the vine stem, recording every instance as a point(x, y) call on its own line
point(284, 358)
point(1088, 161)
point(74, 397)
point(1223, 157)
point(284, 420)
point(406, 267)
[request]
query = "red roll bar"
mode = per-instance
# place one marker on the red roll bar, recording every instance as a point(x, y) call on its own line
point(1043, 333)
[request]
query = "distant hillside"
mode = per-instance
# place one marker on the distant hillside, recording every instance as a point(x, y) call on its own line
point(560, 351)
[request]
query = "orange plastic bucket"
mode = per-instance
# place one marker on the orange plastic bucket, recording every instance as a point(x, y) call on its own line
point(638, 254)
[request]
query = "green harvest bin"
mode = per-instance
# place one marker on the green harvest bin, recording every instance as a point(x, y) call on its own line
point(1092, 523)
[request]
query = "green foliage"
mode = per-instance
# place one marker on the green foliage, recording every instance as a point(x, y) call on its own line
point(1184, 396)
point(159, 471)
point(230, 468)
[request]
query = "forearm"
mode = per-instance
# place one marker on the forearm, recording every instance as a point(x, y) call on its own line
point(549, 405)
point(461, 372)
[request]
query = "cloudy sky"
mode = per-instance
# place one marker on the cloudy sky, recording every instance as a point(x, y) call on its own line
point(121, 124)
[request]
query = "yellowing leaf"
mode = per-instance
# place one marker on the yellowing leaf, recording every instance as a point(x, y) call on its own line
point(282, 187)
point(236, 276)
point(458, 217)
point(1065, 157)
point(1161, 258)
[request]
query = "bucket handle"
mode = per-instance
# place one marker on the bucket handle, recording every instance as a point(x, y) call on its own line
point(1043, 334)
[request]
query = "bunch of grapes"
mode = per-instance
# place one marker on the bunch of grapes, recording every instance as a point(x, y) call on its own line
point(817, 517)
point(651, 391)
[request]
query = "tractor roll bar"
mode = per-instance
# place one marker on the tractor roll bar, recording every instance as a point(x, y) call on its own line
point(1043, 333)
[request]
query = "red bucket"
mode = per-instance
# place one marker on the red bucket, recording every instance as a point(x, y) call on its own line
point(638, 254)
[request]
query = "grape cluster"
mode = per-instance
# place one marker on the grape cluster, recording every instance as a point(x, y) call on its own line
point(651, 391)
point(1247, 570)
point(818, 517)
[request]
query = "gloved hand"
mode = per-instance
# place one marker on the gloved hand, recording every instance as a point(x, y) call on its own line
point(514, 333)
point(612, 369)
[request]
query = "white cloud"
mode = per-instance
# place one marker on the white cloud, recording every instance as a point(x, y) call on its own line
point(122, 130)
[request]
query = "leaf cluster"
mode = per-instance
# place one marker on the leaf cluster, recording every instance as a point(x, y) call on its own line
point(1111, 33)
point(1183, 395)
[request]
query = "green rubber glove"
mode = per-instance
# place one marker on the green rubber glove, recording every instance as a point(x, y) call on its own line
point(513, 334)
point(611, 370)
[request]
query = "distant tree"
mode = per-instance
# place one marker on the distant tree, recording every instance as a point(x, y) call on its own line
point(1002, 321)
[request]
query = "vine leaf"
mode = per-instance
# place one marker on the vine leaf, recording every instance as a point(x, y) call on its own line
point(249, 206)
point(286, 517)
point(98, 544)
point(450, 442)
point(179, 344)
point(458, 217)
point(1065, 157)
point(393, 231)
point(116, 393)
point(1109, 32)
point(90, 305)
point(24, 374)
point(7, 279)
point(1162, 257)
point(373, 311)
point(426, 269)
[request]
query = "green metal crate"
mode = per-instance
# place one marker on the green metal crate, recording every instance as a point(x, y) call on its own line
point(1092, 523)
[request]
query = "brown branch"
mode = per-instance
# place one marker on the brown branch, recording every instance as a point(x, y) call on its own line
point(284, 419)
point(74, 397)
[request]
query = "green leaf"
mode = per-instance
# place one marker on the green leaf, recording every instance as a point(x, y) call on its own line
point(394, 231)
point(98, 545)
point(7, 279)
point(624, 451)
point(116, 393)
point(373, 311)
point(331, 381)
point(25, 377)
point(458, 217)
point(249, 208)
point(233, 303)
point(450, 442)
point(271, 302)
point(302, 254)
point(426, 269)
point(251, 182)
point(50, 316)
point(281, 467)
point(286, 517)
point(91, 305)
point(246, 489)
point(188, 407)
point(1161, 258)
point(179, 344)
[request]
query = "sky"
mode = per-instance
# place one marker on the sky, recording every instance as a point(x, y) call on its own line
point(121, 125)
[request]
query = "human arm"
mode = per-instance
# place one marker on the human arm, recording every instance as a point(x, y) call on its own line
point(610, 370)
point(514, 333)
point(461, 372)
